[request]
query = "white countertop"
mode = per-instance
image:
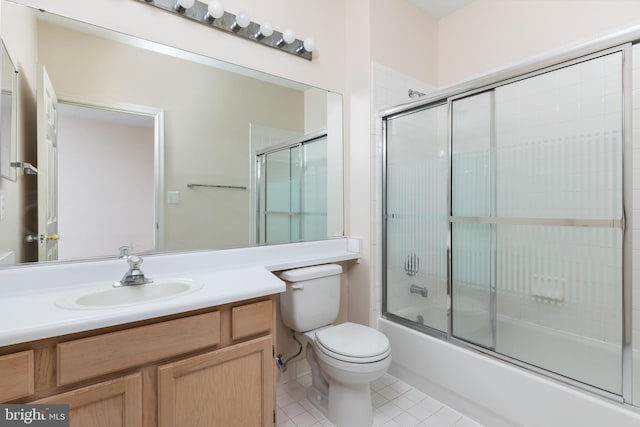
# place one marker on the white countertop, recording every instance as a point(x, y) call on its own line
point(28, 295)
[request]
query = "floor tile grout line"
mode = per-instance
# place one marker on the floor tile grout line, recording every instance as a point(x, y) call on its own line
point(293, 394)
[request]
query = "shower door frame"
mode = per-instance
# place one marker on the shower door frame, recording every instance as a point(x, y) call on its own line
point(261, 180)
point(620, 43)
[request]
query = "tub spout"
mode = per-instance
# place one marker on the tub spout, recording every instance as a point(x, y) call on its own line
point(422, 290)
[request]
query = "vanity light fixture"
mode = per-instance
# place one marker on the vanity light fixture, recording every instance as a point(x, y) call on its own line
point(213, 15)
point(215, 10)
point(182, 5)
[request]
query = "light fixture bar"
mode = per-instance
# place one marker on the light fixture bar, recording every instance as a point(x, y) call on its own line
point(227, 23)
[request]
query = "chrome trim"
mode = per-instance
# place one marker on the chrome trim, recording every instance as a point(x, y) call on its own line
point(233, 187)
point(259, 162)
point(384, 271)
point(627, 227)
point(493, 238)
point(449, 247)
point(303, 139)
point(557, 222)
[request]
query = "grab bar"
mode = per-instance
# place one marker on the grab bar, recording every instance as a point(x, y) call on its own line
point(235, 187)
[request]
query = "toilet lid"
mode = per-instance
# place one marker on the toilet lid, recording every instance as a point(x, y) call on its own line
point(353, 340)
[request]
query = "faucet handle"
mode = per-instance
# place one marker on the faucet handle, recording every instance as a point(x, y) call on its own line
point(134, 262)
point(124, 251)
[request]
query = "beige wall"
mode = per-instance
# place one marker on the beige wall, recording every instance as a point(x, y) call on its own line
point(20, 196)
point(358, 154)
point(404, 38)
point(323, 21)
point(207, 113)
point(491, 34)
point(91, 149)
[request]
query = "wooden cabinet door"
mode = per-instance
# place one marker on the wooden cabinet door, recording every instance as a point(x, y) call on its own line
point(232, 386)
point(109, 404)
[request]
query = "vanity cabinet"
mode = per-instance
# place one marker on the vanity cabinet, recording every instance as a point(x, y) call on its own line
point(114, 403)
point(210, 367)
point(228, 387)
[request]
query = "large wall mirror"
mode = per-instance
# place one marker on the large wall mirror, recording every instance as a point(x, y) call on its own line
point(147, 148)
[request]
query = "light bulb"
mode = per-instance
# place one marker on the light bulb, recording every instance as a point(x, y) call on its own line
point(215, 10)
point(309, 44)
point(182, 5)
point(242, 21)
point(289, 36)
point(266, 29)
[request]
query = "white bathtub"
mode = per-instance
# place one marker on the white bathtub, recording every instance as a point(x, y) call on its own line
point(494, 392)
point(564, 353)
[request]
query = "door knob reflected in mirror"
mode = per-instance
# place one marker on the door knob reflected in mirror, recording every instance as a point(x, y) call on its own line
point(47, 237)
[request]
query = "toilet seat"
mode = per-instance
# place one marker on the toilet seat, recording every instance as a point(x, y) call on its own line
point(353, 343)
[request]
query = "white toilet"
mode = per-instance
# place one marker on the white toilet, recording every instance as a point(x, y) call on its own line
point(344, 358)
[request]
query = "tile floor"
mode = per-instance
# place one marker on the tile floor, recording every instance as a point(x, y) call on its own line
point(395, 404)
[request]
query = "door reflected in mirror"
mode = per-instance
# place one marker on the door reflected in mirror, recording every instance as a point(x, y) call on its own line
point(138, 122)
point(8, 117)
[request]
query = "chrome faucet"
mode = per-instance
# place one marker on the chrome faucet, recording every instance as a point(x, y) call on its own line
point(134, 276)
point(421, 290)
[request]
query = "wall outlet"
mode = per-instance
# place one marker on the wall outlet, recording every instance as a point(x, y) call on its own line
point(173, 197)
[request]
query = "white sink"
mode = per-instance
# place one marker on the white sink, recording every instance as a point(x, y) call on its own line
point(109, 297)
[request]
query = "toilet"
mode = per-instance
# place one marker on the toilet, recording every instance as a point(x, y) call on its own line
point(344, 358)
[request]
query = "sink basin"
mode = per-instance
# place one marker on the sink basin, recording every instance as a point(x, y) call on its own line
point(109, 297)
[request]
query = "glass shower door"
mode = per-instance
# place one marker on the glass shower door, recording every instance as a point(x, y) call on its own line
point(473, 242)
point(292, 192)
point(537, 220)
point(282, 192)
point(416, 218)
point(559, 258)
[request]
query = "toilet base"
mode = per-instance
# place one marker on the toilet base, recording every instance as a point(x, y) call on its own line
point(346, 406)
point(350, 405)
point(318, 399)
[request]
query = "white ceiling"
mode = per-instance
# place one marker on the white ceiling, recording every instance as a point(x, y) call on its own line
point(440, 8)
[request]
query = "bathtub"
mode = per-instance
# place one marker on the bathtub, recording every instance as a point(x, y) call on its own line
point(497, 393)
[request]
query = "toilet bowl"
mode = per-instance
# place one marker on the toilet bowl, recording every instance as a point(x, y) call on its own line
point(349, 357)
point(344, 358)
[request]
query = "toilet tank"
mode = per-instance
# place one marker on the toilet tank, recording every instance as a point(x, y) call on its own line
point(312, 298)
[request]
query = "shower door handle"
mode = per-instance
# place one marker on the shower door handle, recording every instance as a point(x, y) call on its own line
point(449, 280)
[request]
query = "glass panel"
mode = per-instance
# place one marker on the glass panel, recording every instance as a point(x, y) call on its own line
point(559, 143)
point(314, 190)
point(295, 189)
point(472, 196)
point(417, 223)
point(281, 194)
point(559, 155)
point(559, 300)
